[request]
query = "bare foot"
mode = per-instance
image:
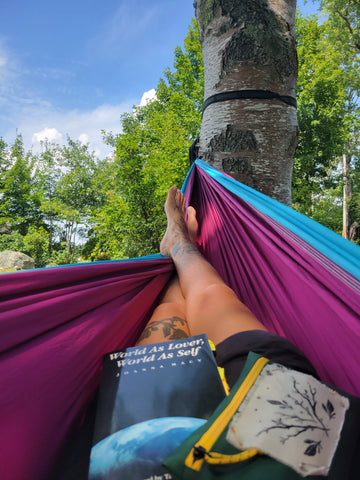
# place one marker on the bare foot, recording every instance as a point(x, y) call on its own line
point(192, 224)
point(176, 228)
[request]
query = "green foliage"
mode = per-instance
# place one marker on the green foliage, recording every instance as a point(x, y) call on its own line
point(68, 190)
point(151, 154)
point(344, 16)
point(12, 241)
point(4, 163)
point(62, 256)
point(327, 209)
point(19, 206)
point(321, 111)
point(36, 245)
point(354, 207)
point(47, 199)
point(187, 80)
point(328, 117)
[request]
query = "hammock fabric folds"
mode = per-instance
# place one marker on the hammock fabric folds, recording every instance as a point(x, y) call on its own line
point(301, 280)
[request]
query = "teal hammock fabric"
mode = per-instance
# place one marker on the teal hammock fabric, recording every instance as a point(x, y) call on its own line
point(301, 280)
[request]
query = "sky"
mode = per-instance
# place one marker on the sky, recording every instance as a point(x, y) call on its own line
point(73, 67)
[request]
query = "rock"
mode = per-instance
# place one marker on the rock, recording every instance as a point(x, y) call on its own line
point(16, 260)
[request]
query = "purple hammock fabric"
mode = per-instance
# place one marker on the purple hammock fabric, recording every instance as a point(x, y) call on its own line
point(56, 324)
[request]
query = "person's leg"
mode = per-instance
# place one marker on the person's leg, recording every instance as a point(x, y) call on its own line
point(211, 306)
point(168, 320)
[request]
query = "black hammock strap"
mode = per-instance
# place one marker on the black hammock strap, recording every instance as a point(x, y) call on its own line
point(236, 95)
point(248, 94)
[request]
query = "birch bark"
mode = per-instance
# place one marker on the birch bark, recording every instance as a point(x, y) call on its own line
point(250, 45)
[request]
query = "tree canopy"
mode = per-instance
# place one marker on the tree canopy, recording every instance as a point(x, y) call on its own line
point(47, 199)
point(64, 204)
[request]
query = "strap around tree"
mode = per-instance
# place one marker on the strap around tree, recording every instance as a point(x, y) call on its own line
point(248, 94)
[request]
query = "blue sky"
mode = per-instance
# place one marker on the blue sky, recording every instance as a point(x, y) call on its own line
point(72, 67)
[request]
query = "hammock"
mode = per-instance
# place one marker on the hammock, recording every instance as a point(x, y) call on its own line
point(300, 279)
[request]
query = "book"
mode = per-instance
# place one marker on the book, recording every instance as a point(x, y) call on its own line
point(151, 398)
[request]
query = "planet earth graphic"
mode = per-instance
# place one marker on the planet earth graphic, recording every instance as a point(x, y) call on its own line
point(136, 452)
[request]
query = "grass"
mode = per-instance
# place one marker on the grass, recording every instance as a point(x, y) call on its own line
point(7, 270)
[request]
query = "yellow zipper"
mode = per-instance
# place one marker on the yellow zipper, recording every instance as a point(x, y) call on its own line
point(209, 438)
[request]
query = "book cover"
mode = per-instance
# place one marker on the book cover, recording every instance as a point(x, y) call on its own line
point(151, 398)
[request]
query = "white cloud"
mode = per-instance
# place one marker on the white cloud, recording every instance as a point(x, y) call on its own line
point(50, 134)
point(148, 97)
point(37, 122)
point(83, 138)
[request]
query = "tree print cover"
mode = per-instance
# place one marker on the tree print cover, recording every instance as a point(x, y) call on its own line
point(291, 417)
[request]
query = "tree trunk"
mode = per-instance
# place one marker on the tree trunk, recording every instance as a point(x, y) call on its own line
point(69, 234)
point(347, 194)
point(250, 45)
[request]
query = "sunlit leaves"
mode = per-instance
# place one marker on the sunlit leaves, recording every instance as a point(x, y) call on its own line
point(151, 154)
point(328, 115)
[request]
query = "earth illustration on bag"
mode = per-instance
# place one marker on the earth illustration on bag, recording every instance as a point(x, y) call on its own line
point(138, 451)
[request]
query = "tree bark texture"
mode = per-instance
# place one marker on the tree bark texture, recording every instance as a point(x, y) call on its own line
point(250, 45)
point(347, 194)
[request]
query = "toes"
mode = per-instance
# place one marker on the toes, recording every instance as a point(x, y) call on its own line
point(191, 212)
point(192, 223)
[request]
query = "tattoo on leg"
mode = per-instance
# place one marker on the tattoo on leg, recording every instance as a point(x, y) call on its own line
point(169, 329)
point(185, 249)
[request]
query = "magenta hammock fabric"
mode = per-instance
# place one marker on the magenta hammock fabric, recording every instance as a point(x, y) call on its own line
point(56, 324)
point(294, 290)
